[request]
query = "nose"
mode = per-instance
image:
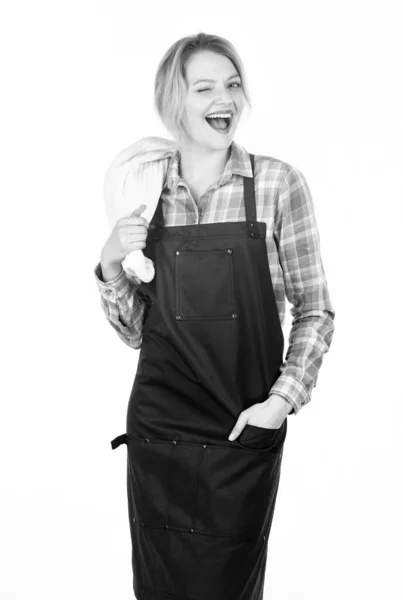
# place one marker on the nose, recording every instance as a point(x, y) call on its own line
point(224, 97)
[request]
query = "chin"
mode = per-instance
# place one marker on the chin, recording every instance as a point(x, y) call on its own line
point(217, 142)
point(225, 142)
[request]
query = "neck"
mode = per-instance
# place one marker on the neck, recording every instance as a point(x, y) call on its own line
point(199, 162)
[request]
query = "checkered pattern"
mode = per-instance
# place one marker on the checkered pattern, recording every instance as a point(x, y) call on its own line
point(284, 203)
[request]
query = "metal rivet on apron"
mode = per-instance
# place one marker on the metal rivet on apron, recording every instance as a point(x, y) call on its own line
point(177, 252)
point(146, 440)
point(204, 446)
point(229, 251)
point(174, 441)
point(234, 316)
point(191, 530)
point(166, 526)
point(178, 317)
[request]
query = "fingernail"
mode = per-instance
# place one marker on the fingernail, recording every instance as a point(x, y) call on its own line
point(231, 437)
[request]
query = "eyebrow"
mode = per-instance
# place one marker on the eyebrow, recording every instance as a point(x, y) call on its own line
point(213, 80)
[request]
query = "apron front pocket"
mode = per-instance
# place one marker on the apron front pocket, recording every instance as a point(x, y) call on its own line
point(162, 477)
point(212, 489)
point(236, 491)
point(255, 437)
point(204, 284)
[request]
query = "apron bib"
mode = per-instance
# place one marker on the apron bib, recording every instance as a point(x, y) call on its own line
point(200, 506)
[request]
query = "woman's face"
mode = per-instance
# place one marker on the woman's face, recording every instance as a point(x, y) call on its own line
point(222, 94)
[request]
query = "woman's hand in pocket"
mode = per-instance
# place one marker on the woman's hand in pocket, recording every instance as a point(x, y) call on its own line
point(269, 414)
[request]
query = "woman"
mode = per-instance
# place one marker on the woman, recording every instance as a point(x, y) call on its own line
point(233, 235)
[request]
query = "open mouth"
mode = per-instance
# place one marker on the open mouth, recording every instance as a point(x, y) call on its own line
point(220, 124)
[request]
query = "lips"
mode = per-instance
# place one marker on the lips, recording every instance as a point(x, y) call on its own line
point(217, 121)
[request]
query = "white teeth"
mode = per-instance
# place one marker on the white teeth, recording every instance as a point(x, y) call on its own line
point(219, 116)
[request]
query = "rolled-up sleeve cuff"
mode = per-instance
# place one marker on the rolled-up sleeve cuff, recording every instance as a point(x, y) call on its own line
point(114, 288)
point(292, 390)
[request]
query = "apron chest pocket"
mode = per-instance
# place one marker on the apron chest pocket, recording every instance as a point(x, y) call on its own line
point(205, 284)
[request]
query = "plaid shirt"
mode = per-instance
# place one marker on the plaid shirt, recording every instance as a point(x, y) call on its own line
point(284, 202)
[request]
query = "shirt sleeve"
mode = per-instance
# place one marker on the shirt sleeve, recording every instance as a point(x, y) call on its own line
point(298, 243)
point(123, 306)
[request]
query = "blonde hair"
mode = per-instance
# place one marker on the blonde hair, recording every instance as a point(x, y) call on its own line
point(170, 86)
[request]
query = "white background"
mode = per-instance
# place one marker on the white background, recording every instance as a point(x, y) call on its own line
point(77, 86)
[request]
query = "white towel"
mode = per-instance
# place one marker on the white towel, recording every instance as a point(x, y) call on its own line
point(130, 182)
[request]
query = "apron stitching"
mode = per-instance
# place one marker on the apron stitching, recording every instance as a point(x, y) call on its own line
point(178, 528)
point(169, 494)
point(177, 295)
point(212, 446)
point(232, 279)
point(263, 324)
point(179, 287)
point(193, 519)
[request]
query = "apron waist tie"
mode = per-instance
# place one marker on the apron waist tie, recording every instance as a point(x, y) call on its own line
point(121, 439)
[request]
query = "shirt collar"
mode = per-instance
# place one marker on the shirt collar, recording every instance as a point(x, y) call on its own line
point(238, 163)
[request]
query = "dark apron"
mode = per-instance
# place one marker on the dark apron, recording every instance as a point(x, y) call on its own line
point(200, 506)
